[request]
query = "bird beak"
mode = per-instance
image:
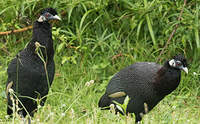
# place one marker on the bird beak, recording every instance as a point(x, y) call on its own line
point(185, 69)
point(56, 17)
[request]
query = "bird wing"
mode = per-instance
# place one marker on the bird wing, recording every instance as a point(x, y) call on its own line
point(25, 76)
point(134, 77)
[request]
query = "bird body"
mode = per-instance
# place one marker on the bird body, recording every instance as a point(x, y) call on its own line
point(30, 80)
point(145, 83)
point(27, 71)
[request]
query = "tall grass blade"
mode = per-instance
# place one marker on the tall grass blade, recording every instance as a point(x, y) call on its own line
point(197, 27)
point(149, 25)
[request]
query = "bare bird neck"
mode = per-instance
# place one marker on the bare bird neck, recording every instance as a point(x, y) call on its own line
point(167, 79)
point(43, 35)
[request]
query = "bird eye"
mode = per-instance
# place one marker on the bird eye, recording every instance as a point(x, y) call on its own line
point(178, 63)
point(47, 15)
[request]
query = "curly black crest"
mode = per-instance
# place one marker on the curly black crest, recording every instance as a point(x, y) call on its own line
point(49, 10)
point(181, 58)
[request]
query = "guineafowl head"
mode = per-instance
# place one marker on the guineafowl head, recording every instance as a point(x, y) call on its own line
point(48, 14)
point(179, 62)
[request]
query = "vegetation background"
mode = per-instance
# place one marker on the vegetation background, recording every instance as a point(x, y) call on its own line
point(94, 40)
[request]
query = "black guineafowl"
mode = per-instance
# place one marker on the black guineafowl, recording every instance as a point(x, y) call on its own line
point(146, 83)
point(27, 72)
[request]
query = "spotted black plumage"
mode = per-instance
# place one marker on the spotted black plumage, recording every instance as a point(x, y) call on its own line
point(26, 72)
point(145, 83)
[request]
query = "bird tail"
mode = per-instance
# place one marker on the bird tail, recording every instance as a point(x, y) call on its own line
point(104, 102)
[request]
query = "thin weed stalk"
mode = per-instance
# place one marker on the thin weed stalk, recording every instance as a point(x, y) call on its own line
point(41, 56)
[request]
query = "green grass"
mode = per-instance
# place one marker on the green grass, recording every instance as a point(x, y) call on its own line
point(96, 39)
